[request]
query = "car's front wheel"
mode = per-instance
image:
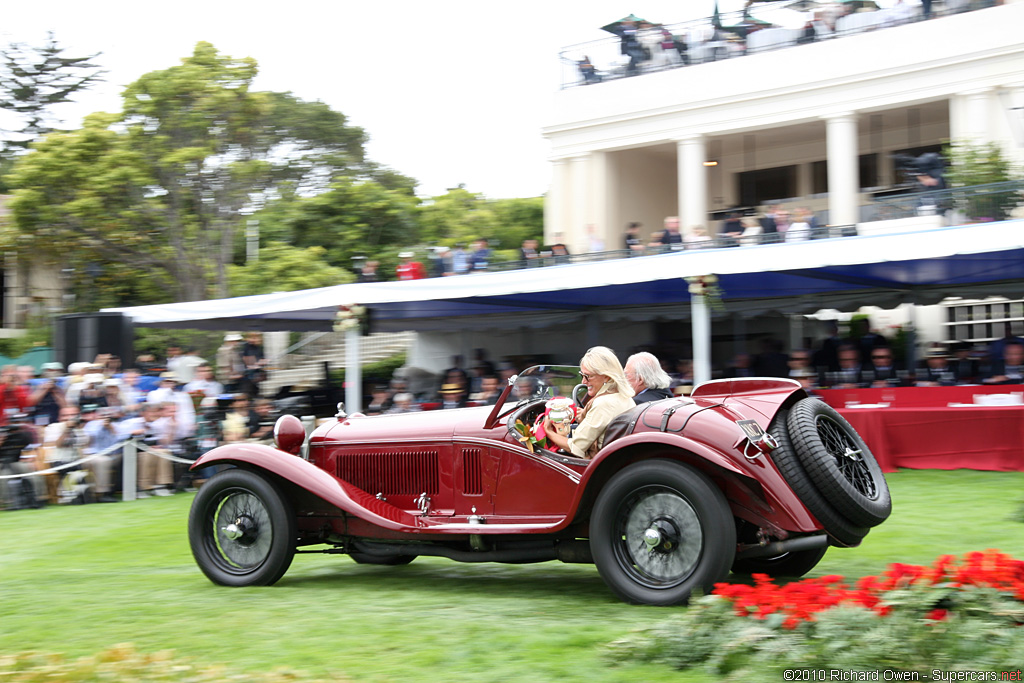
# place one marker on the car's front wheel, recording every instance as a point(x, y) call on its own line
point(241, 530)
point(659, 530)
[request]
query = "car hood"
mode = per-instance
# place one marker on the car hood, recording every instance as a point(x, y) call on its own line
point(428, 425)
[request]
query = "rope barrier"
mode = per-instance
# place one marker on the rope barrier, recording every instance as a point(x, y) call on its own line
point(68, 465)
point(92, 456)
point(164, 455)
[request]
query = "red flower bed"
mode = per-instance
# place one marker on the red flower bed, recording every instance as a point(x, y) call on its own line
point(799, 601)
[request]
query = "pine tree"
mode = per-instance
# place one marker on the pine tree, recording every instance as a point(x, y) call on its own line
point(32, 80)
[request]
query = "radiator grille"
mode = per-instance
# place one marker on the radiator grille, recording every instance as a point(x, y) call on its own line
point(406, 473)
point(472, 481)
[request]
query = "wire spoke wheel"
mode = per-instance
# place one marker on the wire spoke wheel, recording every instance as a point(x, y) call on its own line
point(842, 530)
point(659, 530)
point(839, 463)
point(660, 537)
point(241, 530)
point(848, 456)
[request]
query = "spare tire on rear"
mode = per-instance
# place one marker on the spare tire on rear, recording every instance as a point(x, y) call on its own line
point(842, 531)
point(839, 462)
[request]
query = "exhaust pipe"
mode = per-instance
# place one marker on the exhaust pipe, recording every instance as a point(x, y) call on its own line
point(777, 548)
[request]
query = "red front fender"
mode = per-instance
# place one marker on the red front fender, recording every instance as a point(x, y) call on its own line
point(313, 479)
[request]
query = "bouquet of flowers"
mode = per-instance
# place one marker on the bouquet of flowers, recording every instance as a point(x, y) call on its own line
point(527, 438)
point(349, 317)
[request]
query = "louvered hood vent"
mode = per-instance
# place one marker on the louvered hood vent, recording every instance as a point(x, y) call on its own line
point(407, 473)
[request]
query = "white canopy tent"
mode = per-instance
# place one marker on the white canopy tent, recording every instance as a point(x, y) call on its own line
point(880, 269)
point(843, 272)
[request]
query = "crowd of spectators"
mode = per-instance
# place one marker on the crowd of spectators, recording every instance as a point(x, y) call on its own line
point(861, 360)
point(869, 360)
point(61, 426)
point(775, 223)
point(66, 427)
point(645, 46)
point(444, 261)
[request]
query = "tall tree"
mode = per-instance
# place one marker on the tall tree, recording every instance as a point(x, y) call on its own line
point(353, 218)
point(33, 80)
point(284, 268)
point(168, 184)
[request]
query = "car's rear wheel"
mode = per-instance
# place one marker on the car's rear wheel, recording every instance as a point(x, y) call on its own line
point(659, 530)
point(839, 462)
point(793, 564)
point(241, 530)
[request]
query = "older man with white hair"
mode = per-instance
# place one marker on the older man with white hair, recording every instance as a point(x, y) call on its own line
point(649, 381)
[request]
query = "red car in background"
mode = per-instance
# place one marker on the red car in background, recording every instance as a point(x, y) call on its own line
point(747, 475)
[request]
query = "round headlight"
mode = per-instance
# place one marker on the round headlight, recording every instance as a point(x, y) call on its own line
point(289, 434)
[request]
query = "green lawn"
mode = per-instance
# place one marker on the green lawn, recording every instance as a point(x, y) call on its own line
point(78, 580)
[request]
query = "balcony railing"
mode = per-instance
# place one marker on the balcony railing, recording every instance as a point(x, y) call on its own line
point(959, 205)
point(736, 34)
point(972, 204)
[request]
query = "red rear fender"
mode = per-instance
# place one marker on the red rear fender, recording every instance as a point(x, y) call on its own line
point(770, 499)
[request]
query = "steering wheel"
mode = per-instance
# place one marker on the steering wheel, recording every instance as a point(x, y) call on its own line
point(577, 396)
point(527, 414)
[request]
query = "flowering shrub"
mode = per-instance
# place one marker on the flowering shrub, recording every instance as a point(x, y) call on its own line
point(942, 582)
point(956, 614)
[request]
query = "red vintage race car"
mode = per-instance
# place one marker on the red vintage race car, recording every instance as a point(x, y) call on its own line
point(748, 475)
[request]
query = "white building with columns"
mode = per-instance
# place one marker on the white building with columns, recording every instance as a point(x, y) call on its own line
point(812, 125)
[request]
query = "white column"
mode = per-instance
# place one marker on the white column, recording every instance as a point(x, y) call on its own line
point(700, 329)
point(555, 202)
point(599, 198)
point(1011, 103)
point(691, 153)
point(575, 233)
point(841, 151)
point(353, 372)
point(977, 109)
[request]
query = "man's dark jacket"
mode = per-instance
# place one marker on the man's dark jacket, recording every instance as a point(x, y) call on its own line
point(651, 395)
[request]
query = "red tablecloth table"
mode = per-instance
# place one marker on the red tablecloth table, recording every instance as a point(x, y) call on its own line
point(942, 438)
point(919, 429)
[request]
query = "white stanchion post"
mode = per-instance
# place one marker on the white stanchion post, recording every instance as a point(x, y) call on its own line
point(353, 372)
point(700, 322)
point(129, 467)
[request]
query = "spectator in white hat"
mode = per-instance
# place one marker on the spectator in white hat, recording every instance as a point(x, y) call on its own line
point(230, 367)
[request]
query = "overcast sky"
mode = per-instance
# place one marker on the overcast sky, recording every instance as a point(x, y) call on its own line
point(450, 91)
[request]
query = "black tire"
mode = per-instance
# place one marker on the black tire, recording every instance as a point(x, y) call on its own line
point(843, 531)
point(839, 462)
point(241, 530)
point(794, 564)
point(692, 541)
point(393, 561)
